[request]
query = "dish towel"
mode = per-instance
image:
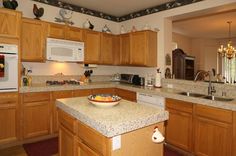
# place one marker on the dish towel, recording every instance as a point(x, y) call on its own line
point(157, 137)
point(2, 65)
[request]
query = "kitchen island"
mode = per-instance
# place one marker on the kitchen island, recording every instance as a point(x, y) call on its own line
point(125, 129)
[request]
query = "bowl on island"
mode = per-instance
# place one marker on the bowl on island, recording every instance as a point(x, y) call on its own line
point(104, 100)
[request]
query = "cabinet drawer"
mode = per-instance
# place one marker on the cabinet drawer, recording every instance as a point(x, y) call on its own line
point(214, 113)
point(8, 98)
point(179, 105)
point(103, 91)
point(92, 138)
point(33, 97)
point(67, 121)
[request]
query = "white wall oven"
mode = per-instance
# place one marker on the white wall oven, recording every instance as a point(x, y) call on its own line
point(8, 67)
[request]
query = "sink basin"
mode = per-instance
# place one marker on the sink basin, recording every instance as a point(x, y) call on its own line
point(218, 98)
point(191, 94)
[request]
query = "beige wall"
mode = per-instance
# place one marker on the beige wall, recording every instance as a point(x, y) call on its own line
point(183, 42)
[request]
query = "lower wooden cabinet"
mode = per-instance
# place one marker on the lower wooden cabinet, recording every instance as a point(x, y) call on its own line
point(84, 150)
point(126, 94)
point(103, 91)
point(36, 114)
point(179, 126)
point(58, 95)
point(82, 92)
point(8, 117)
point(213, 132)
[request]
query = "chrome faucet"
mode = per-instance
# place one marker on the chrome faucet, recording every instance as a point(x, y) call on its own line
point(211, 88)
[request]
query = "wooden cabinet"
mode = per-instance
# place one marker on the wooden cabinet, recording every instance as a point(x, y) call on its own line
point(33, 40)
point(103, 91)
point(234, 133)
point(126, 94)
point(84, 150)
point(64, 32)
point(213, 131)
point(180, 123)
point(143, 45)
point(9, 118)
point(9, 23)
point(108, 49)
point(58, 95)
point(125, 49)
point(36, 114)
point(92, 46)
point(82, 92)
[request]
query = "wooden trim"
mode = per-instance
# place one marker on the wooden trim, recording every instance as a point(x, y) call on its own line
point(179, 105)
point(234, 134)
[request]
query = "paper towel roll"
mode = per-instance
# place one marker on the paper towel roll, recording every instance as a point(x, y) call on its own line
point(158, 80)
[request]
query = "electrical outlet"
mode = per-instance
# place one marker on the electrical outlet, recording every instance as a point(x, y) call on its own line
point(116, 142)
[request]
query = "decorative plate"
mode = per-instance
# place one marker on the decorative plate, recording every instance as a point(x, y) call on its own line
point(104, 100)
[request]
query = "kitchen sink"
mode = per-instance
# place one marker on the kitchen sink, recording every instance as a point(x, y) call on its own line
point(224, 99)
point(191, 94)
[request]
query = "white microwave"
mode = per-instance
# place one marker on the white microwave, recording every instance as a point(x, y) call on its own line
point(64, 50)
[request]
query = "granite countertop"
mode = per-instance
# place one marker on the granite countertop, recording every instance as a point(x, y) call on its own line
point(164, 92)
point(124, 117)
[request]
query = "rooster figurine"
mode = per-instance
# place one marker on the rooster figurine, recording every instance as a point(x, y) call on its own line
point(38, 12)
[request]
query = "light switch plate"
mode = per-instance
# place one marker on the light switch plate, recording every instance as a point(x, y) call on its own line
point(116, 142)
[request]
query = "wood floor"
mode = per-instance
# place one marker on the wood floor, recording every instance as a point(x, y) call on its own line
point(15, 151)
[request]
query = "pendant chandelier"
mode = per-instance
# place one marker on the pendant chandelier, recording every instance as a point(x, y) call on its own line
point(229, 51)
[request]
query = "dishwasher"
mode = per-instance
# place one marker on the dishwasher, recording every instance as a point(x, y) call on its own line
point(152, 100)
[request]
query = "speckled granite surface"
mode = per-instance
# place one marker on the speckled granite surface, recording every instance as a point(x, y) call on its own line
point(165, 92)
point(124, 117)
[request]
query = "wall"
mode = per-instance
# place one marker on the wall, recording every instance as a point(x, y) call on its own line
point(161, 20)
point(183, 42)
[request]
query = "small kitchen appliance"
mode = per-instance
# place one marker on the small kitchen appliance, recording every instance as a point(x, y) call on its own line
point(132, 79)
point(8, 67)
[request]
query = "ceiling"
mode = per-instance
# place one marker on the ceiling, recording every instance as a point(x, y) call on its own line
point(212, 26)
point(117, 7)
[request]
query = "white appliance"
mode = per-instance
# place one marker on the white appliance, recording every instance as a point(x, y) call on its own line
point(64, 50)
point(8, 67)
point(152, 100)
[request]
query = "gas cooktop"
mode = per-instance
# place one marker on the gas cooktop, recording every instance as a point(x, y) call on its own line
point(64, 82)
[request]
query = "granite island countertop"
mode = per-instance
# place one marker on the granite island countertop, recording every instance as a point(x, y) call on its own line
point(125, 117)
point(164, 92)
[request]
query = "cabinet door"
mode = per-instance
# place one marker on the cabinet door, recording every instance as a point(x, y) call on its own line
point(125, 49)
point(116, 49)
point(126, 94)
point(73, 33)
point(36, 119)
point(212, 138)
point(106, 56)
point(92, 46)
point(179, 129)
point(82, 92)
point(104, 91)
point(83, 150)
point(8, 117)
point(9, 23)
point(66, 142)
point(33, 40)
point(56, 30)
point(58, 95)
point(138, 48)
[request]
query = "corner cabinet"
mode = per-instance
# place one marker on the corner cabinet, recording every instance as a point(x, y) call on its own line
point(143, 46)
point(33, 40)
point(10, 23)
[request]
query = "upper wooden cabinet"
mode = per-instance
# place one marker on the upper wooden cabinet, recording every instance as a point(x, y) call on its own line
point(60, 31)
point(125, 49)
point(108, 48)
point(92, 46)
point(143, 45)
point(33, 40)
point(10, 23)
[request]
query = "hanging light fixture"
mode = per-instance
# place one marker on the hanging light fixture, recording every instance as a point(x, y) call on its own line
point(229, 51)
